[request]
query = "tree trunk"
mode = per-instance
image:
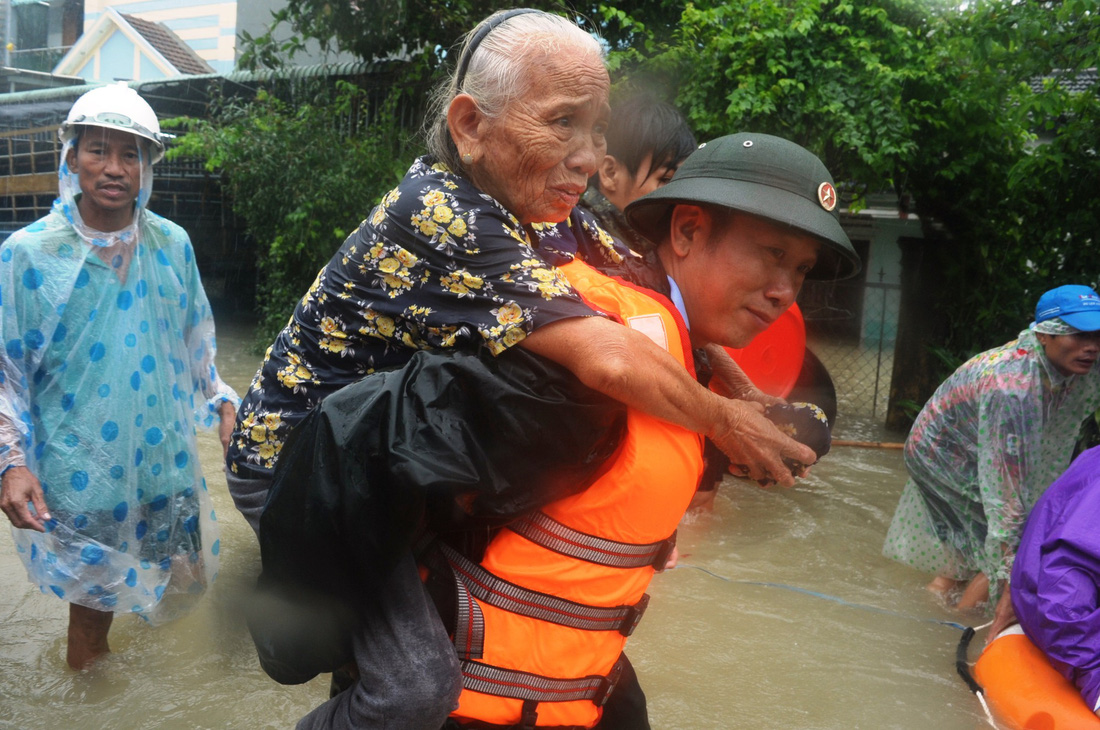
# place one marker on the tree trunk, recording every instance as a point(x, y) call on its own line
point(916, 369)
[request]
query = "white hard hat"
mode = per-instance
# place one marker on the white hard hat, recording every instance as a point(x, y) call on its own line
point(116, 107)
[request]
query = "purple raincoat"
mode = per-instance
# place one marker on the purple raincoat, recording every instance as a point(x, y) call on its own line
point(1056, 575)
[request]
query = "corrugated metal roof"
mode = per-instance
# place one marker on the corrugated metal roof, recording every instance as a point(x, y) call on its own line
point(70, 92)
point(352, 68)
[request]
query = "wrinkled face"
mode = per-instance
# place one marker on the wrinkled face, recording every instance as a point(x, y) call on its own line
point(1071, 354)
point(537, 156)
point(628, 188)
point(747, 273)
point(109, 164)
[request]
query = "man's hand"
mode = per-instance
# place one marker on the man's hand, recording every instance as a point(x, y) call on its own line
point(20, 486)
point(753, 442)
point(228, 415)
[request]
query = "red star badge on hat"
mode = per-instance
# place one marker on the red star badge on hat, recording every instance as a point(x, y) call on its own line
point(826, 195)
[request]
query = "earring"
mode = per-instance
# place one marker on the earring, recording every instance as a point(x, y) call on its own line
point(467, 158)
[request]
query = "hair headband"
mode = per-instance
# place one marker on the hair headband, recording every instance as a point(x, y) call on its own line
point(479, 36)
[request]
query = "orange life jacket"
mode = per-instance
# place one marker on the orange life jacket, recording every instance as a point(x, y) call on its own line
point(543, 619)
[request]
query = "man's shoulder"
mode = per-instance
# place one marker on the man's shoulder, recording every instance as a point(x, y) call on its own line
point(47, 228)
point(164, 226)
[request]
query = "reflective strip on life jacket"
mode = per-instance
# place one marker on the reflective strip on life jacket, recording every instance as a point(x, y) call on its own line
point(555, 587)
point(544, 530)
point(474, 580)
point(470, 622)
point(524, 686)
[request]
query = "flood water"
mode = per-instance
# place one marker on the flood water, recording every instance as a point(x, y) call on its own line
point(781, 615)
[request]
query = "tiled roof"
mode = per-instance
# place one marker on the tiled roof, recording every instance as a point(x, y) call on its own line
point(1078, 82)
point(169, 45)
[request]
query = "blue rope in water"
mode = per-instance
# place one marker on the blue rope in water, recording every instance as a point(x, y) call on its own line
point(825, 596)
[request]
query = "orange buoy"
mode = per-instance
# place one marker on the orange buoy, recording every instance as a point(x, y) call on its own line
point(1025, 691)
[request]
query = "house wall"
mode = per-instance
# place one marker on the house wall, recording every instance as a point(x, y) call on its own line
point(120, 58)
point(254, 16)
point(116, 58)
point(207, 26)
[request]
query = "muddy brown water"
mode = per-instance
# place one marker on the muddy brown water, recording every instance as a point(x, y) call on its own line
point(782, 614)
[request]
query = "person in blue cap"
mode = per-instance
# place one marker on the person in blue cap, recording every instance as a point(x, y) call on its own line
point(986, 446)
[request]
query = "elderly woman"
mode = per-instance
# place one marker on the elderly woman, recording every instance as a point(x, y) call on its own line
point(988, 443)
point(451, 259)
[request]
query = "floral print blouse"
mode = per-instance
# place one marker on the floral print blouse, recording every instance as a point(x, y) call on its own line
point(437, 264)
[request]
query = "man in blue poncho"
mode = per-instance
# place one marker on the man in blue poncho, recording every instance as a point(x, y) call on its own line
point(1056, 574)
point(106, 368)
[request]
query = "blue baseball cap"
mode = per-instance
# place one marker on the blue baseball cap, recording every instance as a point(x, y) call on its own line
point(1076, 305)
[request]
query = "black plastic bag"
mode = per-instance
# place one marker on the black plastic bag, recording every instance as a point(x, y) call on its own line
point(451, 441)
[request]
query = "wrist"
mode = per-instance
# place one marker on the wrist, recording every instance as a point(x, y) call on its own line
point(728, 415)
point(7, 468)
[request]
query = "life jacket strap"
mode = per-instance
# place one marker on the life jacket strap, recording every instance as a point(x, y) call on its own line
point(512, 683)
point(547, 532)
point(474, 581)
point(469, 636)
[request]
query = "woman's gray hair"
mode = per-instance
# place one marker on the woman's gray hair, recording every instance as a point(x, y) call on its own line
point(496, 74)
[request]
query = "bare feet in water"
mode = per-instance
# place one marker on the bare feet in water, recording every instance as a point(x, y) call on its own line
point(961, 594)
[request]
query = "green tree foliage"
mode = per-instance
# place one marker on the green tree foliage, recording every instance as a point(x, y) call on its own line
point(426, 31)
point(934, 102)
point(827, 75)
point(302, 176)
point(1000, 162)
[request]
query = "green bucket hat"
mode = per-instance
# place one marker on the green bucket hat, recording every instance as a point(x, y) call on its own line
point(765, 176)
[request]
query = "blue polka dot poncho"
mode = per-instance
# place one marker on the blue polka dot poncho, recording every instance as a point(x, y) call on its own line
point(106, 371)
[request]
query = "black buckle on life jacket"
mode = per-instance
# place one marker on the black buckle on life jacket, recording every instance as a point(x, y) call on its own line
point(529, 715)
point(634, 616)
point(661, 559)
point(609, 683)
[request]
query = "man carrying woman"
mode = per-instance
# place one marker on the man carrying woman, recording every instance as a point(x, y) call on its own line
point(448, 260)
point(540, 617)
point(558, 590)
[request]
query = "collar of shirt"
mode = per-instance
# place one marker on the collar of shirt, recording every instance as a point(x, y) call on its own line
point(678, 299)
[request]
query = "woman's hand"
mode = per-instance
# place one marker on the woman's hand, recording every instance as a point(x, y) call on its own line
point(756, 448)
point(729, 379)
